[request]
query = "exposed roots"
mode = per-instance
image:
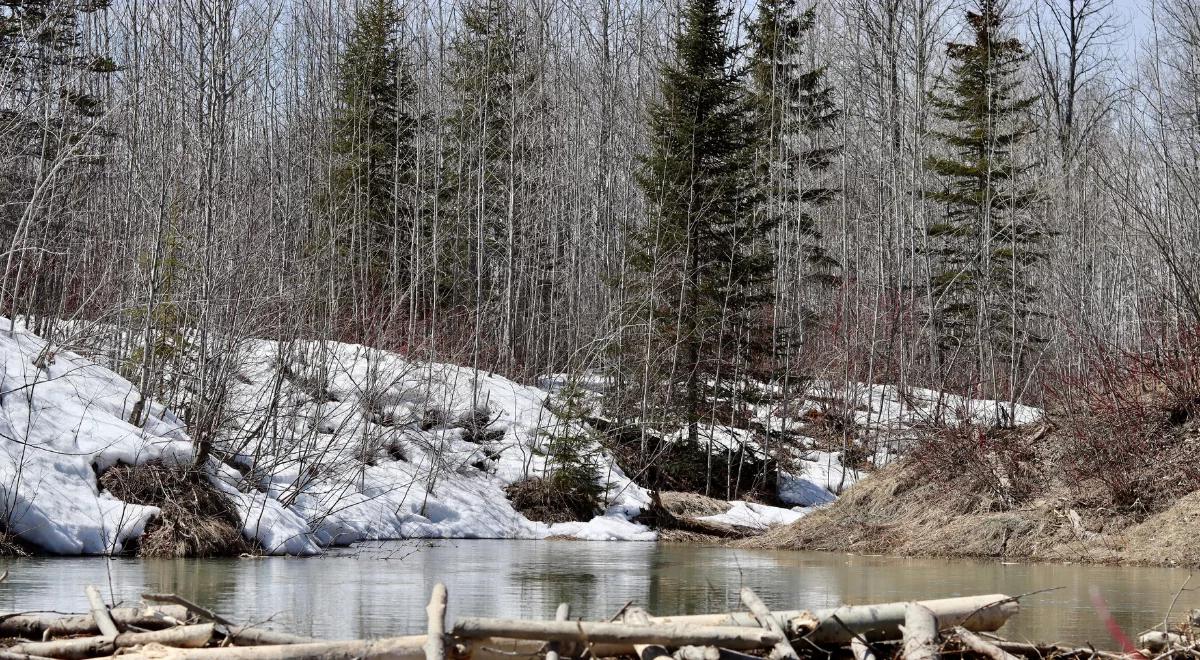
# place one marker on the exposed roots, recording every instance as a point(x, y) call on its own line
point(196, 520)
point(11, 546)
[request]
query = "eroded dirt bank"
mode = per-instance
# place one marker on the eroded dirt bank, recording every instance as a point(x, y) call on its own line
point(900, 511)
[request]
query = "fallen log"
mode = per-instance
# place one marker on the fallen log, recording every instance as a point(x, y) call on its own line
point(920, 633)
point(100, 613)
point(435, 642)
point(236, 634)
point(35, 625)
point(394, 648)
point(194, 636)
point(561, 614)
point(697, 653)
point(783, 649)
point(860, 650)
point(981, 645)
point(665, 634)
point(638, 617)
point(873, 622)
point(1157, 641)
point(6, 655)
point(252, 636)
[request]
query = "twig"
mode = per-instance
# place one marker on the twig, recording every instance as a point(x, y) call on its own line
point(1171, 608)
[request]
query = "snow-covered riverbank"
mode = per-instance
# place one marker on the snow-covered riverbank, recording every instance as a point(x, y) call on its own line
point(323, 443)
point(320, 443)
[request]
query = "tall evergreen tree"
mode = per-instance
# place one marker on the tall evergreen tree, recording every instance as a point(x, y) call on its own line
point(375, 175)
point(793, 108)
point(984, 247)
point(486, 78)
point(701, 260)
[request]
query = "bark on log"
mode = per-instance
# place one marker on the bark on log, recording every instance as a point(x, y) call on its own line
point(199, 610)
point(89, 647)
point(104, 620)
point(8, 655)
point(1157, 641)
point(874, 622)
point(33, 626)
point(638, 617)
point(562, 614)
point(435, 644)
point(251, 636)
point(783, 649)
point(666, 634)
point(860, 650)
point(981, 645)
point(697, 653)
point(920, 633)
point(394, 648)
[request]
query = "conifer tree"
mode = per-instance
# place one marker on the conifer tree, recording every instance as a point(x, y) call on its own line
point(793, 108)
point(374, 129)
point(700, 259)
point(484, 154)
point(985, 246)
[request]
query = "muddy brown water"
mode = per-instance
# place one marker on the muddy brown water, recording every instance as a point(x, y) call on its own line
point(382, 589)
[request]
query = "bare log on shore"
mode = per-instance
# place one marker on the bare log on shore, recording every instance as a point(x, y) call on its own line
point(665, 634)
point(873, 622)
point(561, 614)
point(783, 649)
point(394, 648)
point(234, 633)
point(638, 617)
point(194, 636)
point(100, 613)
point(435, 643)
point(982, 646)
point(35, 625)
point(860, 650)
point(254, 636)
point(920, 633)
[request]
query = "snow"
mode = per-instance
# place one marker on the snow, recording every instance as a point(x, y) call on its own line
point(325, 443)
point(756, 516)
point(61, 423)
point(817, 479)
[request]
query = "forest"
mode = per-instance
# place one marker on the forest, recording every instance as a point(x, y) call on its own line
point(684, 212)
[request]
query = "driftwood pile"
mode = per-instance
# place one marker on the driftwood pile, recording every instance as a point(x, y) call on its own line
point(170, 627)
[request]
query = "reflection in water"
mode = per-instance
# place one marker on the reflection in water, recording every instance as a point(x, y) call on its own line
point(381, 590)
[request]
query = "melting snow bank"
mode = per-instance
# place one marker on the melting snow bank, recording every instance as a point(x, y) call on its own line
point(325, 443)
point(62, 421)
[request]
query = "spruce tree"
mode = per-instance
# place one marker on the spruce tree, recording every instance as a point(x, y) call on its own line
point(485, 155)
point(376, 161)
point(985, 245)
point(699, 262)
point(794, 108)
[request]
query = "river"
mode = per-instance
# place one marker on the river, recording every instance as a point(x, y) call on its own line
point(382, 589)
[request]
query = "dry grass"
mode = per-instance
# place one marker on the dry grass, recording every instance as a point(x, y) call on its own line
point(898, 512)
point(692, 505)
point(1168, 537)
point(196, 520)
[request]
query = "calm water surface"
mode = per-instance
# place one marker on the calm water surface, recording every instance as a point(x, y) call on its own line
point(382, 589)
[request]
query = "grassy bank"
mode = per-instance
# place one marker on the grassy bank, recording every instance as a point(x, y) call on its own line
point(901, 510)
